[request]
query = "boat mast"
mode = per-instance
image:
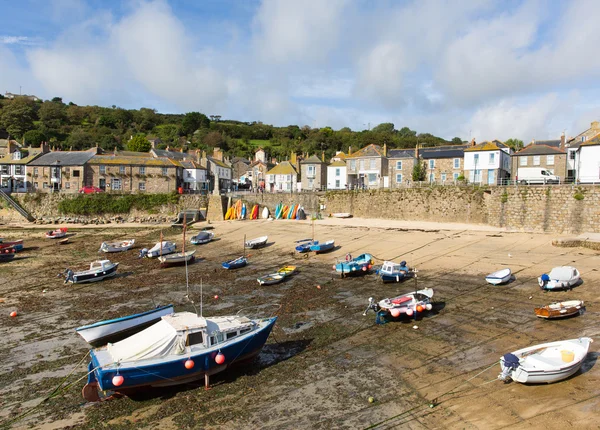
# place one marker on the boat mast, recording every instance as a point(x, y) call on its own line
point(187, 282)
point(244, 254)
point(161, 240)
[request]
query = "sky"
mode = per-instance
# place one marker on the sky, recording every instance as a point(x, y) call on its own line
point(468, 68)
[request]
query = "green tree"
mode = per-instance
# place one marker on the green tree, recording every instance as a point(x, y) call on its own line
point(139, 143)
point(168, 133)
point(407, 132)
point(384, 127)
point(53, 114)
point(457, 141)
point(192, 121)
point(515, 144)
point(80, 139)
point(17, 116)
point(34, 137)
point(419, 171)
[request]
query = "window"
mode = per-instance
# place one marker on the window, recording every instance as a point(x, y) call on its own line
point(35, 185)
point(122, 170)
point(45, 185)
point(165, 171)
point(457, 163)
point(337, 172)
point(102, 170)
point(310, 170)
point(4, 169)
point(35, 171)
point(372, 179)
point(362, 164)
point(76, 173)
point(188, 174)
point(67, 185)
point(337, 183)
point(432, 164)
point(536, 160)
point(583, 138)
point(398, 165)
point(443, 177)
point(455, 176)
point(550, 160)
point(352, 164)
point(571, 155)
point(492, 158)
point(431, 176)
point(195, 338)
point(116, 184)
point(19, 170)
point(491, 177)
point(476, 158)
point(142, 186)
point(522, 161)
point(16, 155)
point(399, 178)
point(142, 170)
point(245, 330)
point(373, 164)
point(230, 334)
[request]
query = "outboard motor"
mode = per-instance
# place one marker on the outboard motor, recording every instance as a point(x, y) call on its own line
point(372, 305)
point(543, 281)
point(143, 253)
point(510, 363)
point(69, 276)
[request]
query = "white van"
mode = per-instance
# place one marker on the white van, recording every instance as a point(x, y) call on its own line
point(536, 175)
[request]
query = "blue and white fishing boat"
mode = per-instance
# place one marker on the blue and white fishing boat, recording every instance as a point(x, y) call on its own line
point(180, 348)
point(116, 329)
point(161, 248)
point(394, 272)
point(99, 270)
point(354, 266)
point(320, 247)
point(235, 264)
point(304, 246)
point(202, 238)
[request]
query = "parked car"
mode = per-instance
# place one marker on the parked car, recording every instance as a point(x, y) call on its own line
point(90, 190)
point(536, 175)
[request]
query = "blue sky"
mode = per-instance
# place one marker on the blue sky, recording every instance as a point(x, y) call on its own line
point(481, 68)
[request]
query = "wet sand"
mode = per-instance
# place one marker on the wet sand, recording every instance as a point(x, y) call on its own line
point(324, 358)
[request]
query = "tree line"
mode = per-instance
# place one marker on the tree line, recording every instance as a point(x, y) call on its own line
point(73, 127)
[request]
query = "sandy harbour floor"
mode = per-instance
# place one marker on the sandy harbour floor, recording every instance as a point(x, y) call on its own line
point(324, 359)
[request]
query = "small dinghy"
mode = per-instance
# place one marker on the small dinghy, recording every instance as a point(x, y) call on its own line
point(235, 264)
point(56, 234)
point(394, 272)
point(257, 243)
point(341, 215)
point(273, 278)
point(408, 304)
point(98, 271)
point(161, 248)
point(124, 245)
point(202, 238)
point(499, 277)
point(545, 363)
point(321, 247)
point(177, 259)
point(117, 329)
point(7, 254)
point(560, 309)
point(563, 277)
point(287, 270)
point(354, 266)
point(305, 245)
point(16, 244)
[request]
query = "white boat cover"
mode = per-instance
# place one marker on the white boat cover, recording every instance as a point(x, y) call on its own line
point(564, 273)
point(158, 340)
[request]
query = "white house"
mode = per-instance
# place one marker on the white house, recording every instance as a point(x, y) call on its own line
point(282, 177)
point(194, 176)
point(587, 160)
point(336, 175)
point(15, 175)
point(488, 163)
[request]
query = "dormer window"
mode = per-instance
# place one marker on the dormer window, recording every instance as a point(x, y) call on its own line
point(16, 155)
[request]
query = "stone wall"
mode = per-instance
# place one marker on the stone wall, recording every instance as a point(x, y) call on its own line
point(441, 204)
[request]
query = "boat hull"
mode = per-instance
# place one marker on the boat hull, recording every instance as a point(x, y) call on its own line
point(500, 277)
point(173, 372)
point(17, 245)
point(117, 247)
point(234, 264)
point(560, 310)
point(393, 277)
point(172, 262)
point(96, 276)
point(117, 329)
point(321, 248)
point(153, 253)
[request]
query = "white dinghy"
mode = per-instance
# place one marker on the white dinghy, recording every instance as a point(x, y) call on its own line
point(563, 277)
point(124, 245)
point(499, 277)
point(545, 363)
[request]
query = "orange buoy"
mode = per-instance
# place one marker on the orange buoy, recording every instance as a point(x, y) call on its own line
point(189, 364)
point(395, 312)
point(220, 358)
point(419, 308)
point(318, 287)
point(216, 297)
point(117, 380)
point(13, 314)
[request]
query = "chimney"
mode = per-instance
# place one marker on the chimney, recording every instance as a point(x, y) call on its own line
point(473, 143)
point(153, 143)
point(218, 154)
point(533, 141)
point(595, 126)
point(115, 151)
point(168, 149)
point(562, 140)
point(293, 158)
point(349, 150)
point(323, 156)
point(181, 149)
point(417, 151)
point(198, 156)
point(385, 149)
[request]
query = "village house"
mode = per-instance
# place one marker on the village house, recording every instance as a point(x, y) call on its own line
point(15, 174)
point(8, 146)
point(217, 167)
point(587, 161)
point(282, 178)
point(193, 177)
point(336, 172)
point(12, 96)
point(444, 164)
point(488, 163)
point(401, 163)
point(313, 173)
point(134, 172)
point(62, 171)
point(572, 146)
point(367, 167)
point(547, 157)
point(240, 166)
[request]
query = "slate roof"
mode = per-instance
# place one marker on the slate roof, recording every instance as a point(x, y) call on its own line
point(313, 159)
point(132, 159)
point(553, 143)
point(451, 151)
point(401, 153)
point(338, 163)
point(190, 164)
point(218, 162)
point(241, 159)
point(371, 150)
point(64, 158)
point(494, 145)
point(283, 168)
point(539, 150)
point(33, 153)
point(591, 142)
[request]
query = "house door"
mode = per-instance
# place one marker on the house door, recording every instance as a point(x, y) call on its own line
point(102, 184)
